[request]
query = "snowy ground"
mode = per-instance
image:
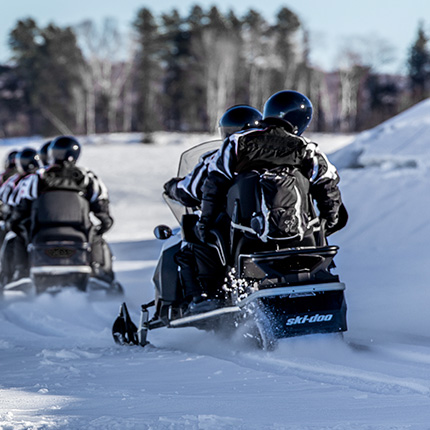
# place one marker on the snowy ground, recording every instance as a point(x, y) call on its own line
point(59, 367)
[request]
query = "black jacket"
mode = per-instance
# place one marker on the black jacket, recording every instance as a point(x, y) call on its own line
point(271, 145)
point(67, 177)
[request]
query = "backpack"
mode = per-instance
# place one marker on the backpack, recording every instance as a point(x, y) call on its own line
point(282, 202)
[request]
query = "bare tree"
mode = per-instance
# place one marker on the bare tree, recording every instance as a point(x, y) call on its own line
point(371, 51)
point(109, 65)
point(258, 58)
point(358, 57)
point(220, 63)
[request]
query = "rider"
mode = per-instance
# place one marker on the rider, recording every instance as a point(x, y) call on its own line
point(14, 255)
point(286, 115)
point(10, 170)
point(63, 174)
point(201, 270)
point(9, 167)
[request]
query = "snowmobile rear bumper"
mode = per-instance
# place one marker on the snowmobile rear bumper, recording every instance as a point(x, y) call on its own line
point(290, 311)
point(59, 270)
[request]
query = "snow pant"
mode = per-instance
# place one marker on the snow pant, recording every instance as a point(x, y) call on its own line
point(201, 270)
point(13, 259)
point(6, 260)
point(20, 257)
point(2, 232)
point(101, 259)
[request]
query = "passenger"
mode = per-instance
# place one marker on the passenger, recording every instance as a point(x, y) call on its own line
point(276, 143)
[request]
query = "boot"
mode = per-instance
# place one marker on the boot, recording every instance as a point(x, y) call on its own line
point(21, 271)
point(202, 303)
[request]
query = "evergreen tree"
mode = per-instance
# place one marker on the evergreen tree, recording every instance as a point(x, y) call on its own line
point(12, 120)
point(419, 66)
point(47, 62)
point(177, 86)
point(195, 101)
point(148, 72)
point(383, 99)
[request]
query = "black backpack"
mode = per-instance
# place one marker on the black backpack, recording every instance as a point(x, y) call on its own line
point(282, 200)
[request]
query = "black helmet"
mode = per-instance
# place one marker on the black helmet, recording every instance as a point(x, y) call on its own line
point(10, 161)
point(64, 149)
point(290, 106)
point(43, 153)
point(27, 161)
point(237, 117)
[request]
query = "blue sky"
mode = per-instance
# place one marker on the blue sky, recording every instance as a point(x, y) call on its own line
point(331, 22)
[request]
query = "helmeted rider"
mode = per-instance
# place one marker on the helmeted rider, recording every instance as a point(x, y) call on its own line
point(9, 171)
point(274, 143)
point(14, 256)
point(62, 174)
point(201, 269)
point(8, 181)
point(285, 117)
point(9, 167)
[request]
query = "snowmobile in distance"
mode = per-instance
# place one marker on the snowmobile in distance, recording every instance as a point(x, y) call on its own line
point(266, 296)
point(59, 253)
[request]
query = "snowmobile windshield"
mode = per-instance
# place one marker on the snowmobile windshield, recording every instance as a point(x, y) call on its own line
point(176, 208)
point(191, 157)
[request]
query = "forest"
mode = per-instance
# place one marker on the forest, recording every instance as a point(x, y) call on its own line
point(180, 73)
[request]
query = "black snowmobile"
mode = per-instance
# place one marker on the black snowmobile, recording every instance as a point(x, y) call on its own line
point(266, 296)
point(59, 252)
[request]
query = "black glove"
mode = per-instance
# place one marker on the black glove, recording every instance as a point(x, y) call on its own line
point(105, 225)
point(329, 225)
point(101, 229)
point(331, 222)
point(170, 186)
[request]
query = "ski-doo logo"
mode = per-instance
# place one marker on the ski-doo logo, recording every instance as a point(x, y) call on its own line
point(307, 319)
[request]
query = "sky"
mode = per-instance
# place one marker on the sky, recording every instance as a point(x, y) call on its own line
point(331, 23)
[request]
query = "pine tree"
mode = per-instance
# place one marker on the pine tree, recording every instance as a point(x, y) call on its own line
point(148, 72)
point(419, 66)
point(47, 61)
point(176, 85)
point(286, 48)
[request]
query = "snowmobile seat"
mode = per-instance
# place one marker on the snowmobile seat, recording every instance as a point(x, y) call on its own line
point(289, 266)
point(59, 234)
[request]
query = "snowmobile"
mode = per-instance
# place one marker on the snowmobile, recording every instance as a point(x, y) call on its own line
point(59, 252)
point(267, 295)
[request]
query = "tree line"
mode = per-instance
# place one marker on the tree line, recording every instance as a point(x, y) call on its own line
point(180, 73)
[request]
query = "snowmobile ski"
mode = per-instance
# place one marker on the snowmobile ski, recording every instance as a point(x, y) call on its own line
point(124, 331)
